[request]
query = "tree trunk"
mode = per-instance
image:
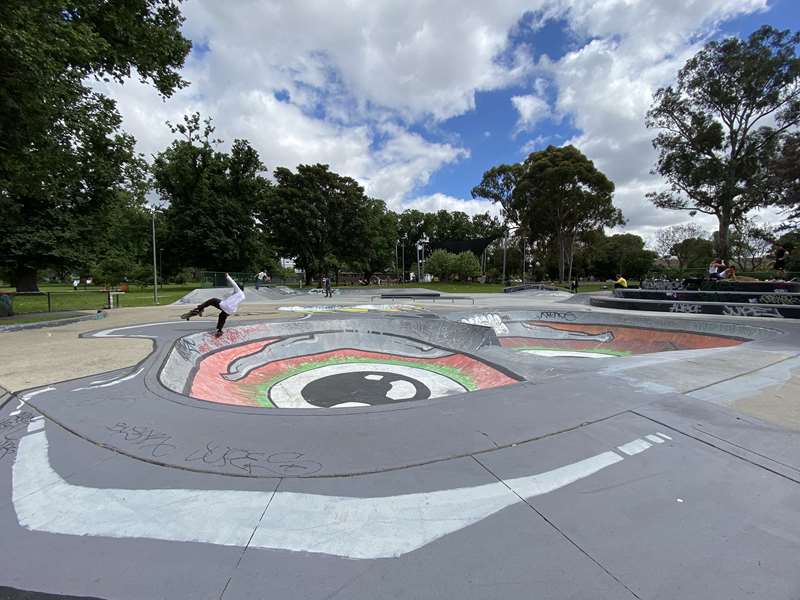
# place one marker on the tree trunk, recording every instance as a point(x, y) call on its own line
point(724, 227)
point(25, 279)
point(571, 256)
point(561, 252)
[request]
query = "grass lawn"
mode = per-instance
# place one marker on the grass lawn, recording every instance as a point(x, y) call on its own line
point(64, 298)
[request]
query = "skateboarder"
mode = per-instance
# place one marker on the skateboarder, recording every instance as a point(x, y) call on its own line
point(226, 307)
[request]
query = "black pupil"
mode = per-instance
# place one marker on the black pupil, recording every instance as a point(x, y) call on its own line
point(367, 387)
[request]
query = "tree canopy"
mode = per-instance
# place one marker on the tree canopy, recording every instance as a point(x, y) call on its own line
point(559, 194)
point(213, 199)
point(63, 154)
point(720, 126)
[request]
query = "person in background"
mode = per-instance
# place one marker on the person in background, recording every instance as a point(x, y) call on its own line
point(328, 291)
point(781, 254)
point(729, 274)
point(261, 278)
point(226, 307)
point(75, 283)
point(715, 269)
point(621, 282)
point(574, 286)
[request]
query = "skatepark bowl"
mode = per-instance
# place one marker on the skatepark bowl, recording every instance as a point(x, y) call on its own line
point(338, 364)
point(422, 452)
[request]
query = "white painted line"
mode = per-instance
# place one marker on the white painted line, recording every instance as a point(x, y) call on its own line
point(655, 439)
point(30, 395)
point(359, 528)
point(13, 413)
point(663, 435)
point(109, 332)
point(110, 383)
point(634, 447)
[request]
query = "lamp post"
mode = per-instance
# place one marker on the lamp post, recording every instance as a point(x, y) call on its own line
point(421, 256)
point(403, 246)
point(155, 269)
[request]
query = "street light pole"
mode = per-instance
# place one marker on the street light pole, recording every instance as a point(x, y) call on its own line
point(155, 270)
point(403, 246)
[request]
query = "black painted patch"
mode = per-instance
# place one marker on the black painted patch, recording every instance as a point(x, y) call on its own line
point(356, 387)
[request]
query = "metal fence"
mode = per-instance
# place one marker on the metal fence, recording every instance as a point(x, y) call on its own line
point(41, 302)
point(217, 279)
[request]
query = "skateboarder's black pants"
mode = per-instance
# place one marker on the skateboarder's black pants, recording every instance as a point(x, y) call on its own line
point(223, 316)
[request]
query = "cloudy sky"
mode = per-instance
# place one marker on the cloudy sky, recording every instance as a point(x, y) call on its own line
point(416, 99)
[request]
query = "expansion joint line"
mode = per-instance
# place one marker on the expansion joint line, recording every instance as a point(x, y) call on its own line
point(244, 550)
point(725, 450)
point(556, 528)
point(745, 374)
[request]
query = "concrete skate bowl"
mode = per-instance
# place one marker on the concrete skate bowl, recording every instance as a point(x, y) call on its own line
point(581, 335)
point(344, 363)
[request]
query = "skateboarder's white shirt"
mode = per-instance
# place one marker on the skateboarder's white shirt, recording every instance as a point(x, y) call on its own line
point(230, 303)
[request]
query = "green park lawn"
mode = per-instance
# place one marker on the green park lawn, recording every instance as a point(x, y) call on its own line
point(64, 298)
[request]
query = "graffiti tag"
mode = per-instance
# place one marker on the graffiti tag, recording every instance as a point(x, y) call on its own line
point(778, 299)
point(751, 311)
point(252, 462)
point(552, 315)
point(8, 447)
point(685, 307)
point(145, 438)
point(15, 422)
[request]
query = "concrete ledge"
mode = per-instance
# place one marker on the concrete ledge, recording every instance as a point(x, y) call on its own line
point(729, 309)
point(776, 296)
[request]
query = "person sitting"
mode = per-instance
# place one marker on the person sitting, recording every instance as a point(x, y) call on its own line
point(729, 274)
point(621, 282)
point(715, 269)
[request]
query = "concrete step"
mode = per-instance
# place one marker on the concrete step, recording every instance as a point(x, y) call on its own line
point(731, 309)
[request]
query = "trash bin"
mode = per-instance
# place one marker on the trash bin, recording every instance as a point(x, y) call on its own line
point(6, 305)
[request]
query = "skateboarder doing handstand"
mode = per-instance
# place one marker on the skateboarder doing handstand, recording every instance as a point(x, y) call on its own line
point(226, 307)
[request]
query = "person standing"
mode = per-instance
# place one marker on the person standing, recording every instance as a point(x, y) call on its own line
point(781, 254)
point(226, 307)
point(261, 278)
point(328, 290)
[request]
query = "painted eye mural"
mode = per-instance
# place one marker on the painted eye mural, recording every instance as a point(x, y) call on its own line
point(339, 370)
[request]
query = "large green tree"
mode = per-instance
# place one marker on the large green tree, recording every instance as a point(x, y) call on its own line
point(561, 194)
point(319, 217)
point(722, 123)
point(785, 171)
point(622, 253)
point(63, 155)
point(214, 199)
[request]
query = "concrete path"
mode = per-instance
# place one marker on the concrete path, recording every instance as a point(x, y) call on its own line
point(524, 447)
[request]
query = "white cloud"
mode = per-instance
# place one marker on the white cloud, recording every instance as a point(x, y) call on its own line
point(606, 86)
point(354, 78)
point(436, 202)
point(531, 109)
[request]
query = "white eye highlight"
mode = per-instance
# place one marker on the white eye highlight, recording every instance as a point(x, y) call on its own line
point(360, 384)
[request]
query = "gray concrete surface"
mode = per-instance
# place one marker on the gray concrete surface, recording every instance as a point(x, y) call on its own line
point(632, 476)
